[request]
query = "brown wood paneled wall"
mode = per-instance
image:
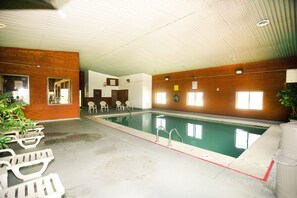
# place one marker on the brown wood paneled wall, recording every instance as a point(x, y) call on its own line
point(59, 64)
point(220, 84)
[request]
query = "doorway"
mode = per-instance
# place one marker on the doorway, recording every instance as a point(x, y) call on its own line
point(97, 96)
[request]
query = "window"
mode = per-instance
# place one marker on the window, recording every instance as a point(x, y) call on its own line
point(161, 98)
point(112, 82)
point(195, 130)
point(245, 139)
point(18, 85)
point(59, 91)
point(249, 100)
point(195, 98)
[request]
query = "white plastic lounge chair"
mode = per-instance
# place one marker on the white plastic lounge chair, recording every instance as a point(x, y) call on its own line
point(129, 105)
point(119, 106)
point(104, 106)
point(36, 125)
point(92, 106)
point(37, 128)
point(16, 162)
point(49, 186)
point(14, 131)
point(27, 140)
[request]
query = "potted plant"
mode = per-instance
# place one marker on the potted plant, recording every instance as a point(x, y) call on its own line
point(12, 117)
point(288, 97)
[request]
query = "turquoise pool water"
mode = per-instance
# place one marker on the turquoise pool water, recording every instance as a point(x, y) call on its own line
point(227, 139)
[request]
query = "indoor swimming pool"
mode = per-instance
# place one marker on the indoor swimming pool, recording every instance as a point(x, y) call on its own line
point(216, 136)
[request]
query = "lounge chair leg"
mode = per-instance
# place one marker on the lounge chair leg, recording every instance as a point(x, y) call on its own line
point(3, 178)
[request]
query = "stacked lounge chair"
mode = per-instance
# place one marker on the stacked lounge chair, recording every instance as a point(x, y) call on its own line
point(34, 185)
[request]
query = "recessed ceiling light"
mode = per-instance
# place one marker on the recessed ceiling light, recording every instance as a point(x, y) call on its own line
point(263, 22)
point(62, 14)
point(2, 25)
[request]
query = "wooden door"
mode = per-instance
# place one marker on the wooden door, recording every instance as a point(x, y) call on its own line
point(123, 95)
point(97, 96)
point(114, 97)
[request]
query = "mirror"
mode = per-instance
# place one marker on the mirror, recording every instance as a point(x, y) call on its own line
point(59, 91)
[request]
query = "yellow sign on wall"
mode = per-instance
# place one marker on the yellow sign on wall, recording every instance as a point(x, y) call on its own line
point(175, 87)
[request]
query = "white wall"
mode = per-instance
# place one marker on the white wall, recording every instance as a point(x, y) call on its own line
point(96, 81)
point(139, 89)
point(147, 92)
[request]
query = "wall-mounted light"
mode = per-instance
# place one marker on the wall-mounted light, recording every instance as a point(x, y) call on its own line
point(194, 77)
point(38, 66)
point(166, 78)
point(239, 71)
point(128, 80)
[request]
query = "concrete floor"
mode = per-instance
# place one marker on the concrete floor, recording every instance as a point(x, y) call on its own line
point(94, 160)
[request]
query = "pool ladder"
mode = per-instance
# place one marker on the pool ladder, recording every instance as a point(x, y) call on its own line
point(161, 128)
point(130, 114)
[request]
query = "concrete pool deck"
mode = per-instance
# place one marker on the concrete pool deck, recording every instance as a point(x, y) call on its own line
point(95, 160)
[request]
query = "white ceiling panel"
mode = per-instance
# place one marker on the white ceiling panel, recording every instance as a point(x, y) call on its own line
point(122, 37)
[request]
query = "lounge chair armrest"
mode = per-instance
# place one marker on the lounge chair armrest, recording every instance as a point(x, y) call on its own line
point(8, 150)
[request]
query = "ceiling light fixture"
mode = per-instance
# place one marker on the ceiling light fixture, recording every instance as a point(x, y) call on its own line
point(2, 25)
point(263, 22)
point(62, 14)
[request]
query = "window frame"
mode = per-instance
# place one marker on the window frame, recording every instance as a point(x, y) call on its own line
point(59, 90)
point(162, 97)
point(196, 98)
point(249, 104)
point(28, 85)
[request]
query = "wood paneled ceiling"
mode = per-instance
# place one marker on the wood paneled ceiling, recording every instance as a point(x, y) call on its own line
point(122, 37)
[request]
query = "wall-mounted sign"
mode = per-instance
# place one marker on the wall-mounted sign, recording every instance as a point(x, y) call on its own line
point(175, 88)
point(194, 84)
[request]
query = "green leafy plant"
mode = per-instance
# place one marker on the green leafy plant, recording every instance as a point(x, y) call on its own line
point(12, 117)
point(288, 97)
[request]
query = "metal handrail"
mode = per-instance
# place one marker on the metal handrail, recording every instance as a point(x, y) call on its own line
point(158, 129)
point(170, 133)
point(161, 128)
point(128, 110)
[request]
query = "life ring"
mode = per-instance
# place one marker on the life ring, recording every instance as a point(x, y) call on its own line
point(176, 98)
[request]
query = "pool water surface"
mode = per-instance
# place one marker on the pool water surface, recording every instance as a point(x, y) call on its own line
point(220, 137)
